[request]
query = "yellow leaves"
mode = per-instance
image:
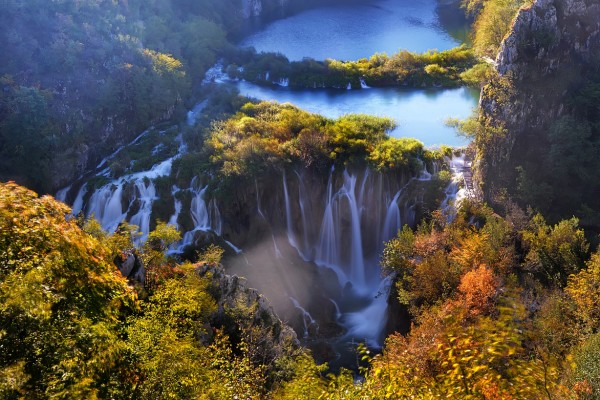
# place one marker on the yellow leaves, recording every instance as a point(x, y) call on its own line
point(164, 63)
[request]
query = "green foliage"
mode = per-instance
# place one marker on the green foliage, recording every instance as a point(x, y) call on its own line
point(164, 339)
point(396, 153)
point(543, 162)
point(70, 327)
point(478, 75)
point(431, 68)
point(82, 76)
point(492, 22)
point(267, 136)
point(484, 326)
point(26, 137)
point(587, 368)
point(60, 301)
point(212, 255)
point(554, 252)
point(398, 252)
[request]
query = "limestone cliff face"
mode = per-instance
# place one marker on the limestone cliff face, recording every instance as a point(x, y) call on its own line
point(552, 44)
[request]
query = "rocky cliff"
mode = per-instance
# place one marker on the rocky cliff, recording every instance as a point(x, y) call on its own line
point(253, 313)
point(548, 59)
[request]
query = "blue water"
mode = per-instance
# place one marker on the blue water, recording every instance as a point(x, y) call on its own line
point(352, 31)
point(418, 113)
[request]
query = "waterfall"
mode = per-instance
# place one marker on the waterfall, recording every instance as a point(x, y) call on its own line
point(363, 84)
point(288, 216)
point(392, 218)
point(215, 74)
point(338, 313)
point(267, 76)
point(330, 251)
point(369, 322)
point(276, 248)
point(327, 250)
point(349, 86)
point(78, 204)
point(134, 141)
point(236, 249)
point(146, 196)
point(357, 267)
point(177, 205)
point(307, 319)
point(284, 82)
point(205, 216)
point(199, 210)
point(454, 193)
point(302, 199)
point(106, 206)
point(192, 115)
point(215, 217)
point(258, 201)
point(359, 211)
point(61, 195)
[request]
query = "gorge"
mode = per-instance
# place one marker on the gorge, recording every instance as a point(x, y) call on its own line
point(309, 239)
point(274, 233)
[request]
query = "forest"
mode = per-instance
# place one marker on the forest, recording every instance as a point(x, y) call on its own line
point(502, 301)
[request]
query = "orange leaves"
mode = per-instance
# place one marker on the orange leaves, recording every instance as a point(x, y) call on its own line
point(470, 251)
point(478, 289)
point(427, 244)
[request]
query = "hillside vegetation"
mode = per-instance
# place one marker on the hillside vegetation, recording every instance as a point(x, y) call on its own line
point(84, 77)
point(501, 308)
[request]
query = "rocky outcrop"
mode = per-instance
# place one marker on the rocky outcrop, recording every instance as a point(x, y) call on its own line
point(252, 311)
point(131, 267)
point(552, 45)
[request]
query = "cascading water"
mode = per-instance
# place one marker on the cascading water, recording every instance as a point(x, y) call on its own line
point(353, 227)
point(283, 82)
point(392, 217)
point(109, 206)
point(146, 196)
point(288, 215)
point(178, 205)
point(307, 320)
point(61, 195)
point(205, 216)
point(455, 194)
point(199, 210)
point(106, 206)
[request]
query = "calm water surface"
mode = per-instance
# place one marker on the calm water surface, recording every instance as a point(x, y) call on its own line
point(361, 29)
point(351, 31)
point(418, 113)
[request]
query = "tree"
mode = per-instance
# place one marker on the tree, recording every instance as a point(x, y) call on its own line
point(554, 252)
point(492, 23)
point(60, 302)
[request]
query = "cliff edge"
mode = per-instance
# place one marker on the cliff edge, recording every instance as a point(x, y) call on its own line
point(539, 135)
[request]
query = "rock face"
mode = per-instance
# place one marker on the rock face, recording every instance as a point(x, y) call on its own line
point(232, 293)
point(552, 45)
point(131, 267)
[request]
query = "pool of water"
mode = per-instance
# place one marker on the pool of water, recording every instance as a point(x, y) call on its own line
point(419, 113)
point(352, 30)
